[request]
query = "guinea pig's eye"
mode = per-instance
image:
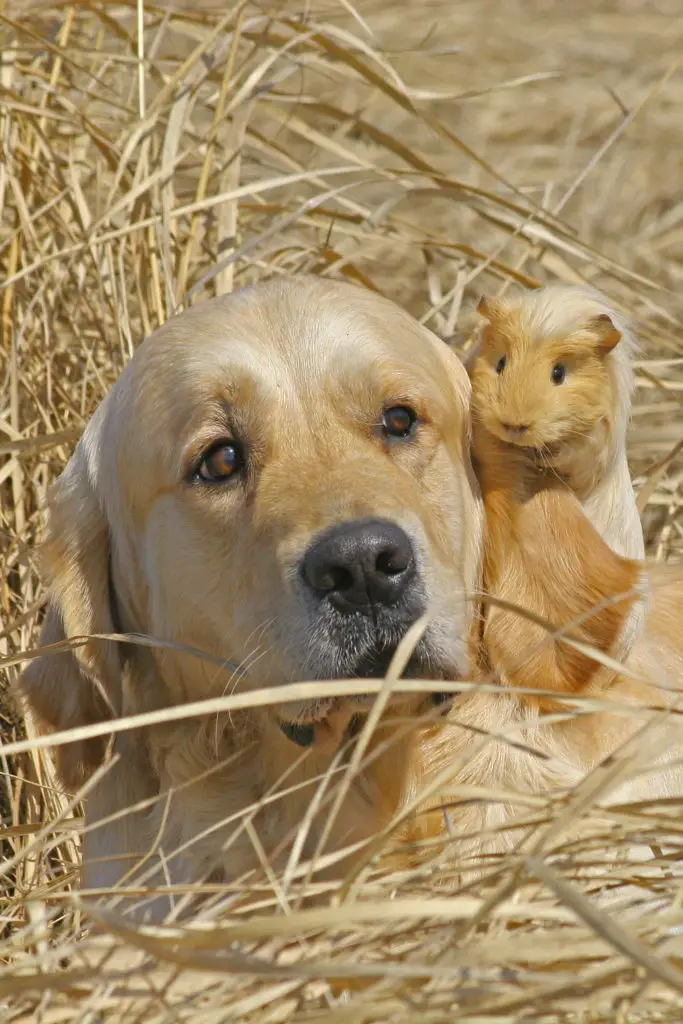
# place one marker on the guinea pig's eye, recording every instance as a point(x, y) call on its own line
point(221, 463)
point(399, 421)
point(500, 365)
point(558, 373)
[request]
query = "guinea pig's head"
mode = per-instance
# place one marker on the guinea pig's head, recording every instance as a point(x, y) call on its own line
point(541, 375)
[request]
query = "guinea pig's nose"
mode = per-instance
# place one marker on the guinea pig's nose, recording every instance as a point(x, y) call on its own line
point(516, 428)
point(361, 564)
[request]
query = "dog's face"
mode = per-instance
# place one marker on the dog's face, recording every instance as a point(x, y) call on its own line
point(284, 477)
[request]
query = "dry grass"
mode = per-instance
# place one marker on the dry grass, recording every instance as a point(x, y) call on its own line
point(430, 150)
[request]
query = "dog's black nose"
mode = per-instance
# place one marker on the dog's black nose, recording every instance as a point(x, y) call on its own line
point(361, 564)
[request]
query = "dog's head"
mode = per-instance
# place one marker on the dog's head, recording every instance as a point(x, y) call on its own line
point(280, 478)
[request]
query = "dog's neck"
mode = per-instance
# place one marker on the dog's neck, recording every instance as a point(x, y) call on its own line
point(389, 772)
point(256, 785)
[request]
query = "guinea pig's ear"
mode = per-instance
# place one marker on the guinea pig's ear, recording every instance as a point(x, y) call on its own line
point(82, 686)
point(495, 310)
point(608, 336)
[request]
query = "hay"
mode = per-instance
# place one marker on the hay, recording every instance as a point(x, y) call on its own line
point(151, 158)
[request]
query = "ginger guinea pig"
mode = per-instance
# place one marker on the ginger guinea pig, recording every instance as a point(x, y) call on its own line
point(552, 374)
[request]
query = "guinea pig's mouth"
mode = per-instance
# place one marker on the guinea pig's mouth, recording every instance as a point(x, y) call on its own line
point(543, 454)
point(522, 438)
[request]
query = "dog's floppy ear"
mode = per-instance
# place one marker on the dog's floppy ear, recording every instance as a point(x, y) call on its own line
point(81, 686)
point(62, 695)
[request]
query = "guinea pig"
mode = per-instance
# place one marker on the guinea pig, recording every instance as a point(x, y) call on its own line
point(551, 391)
point(552, 374)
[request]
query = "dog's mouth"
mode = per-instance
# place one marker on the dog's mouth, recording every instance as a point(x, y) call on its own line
point(378, 663)
point(375, 664)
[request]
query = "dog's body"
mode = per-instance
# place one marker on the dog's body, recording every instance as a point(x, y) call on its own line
point(511, 756)
point(281, 479)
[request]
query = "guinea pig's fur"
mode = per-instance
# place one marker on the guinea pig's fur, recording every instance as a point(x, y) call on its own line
point(542, 554)
point(577, 426)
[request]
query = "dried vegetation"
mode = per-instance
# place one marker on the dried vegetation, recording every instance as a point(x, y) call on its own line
point(153, 157)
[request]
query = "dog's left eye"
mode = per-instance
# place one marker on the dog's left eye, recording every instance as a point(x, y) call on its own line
point(399, 421)
point(222, 462)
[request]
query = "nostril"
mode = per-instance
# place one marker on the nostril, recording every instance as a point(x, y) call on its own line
point(341, 578)
point(328, 578)
point(392, 562)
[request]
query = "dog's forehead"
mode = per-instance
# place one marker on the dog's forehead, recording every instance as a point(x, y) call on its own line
point(306, 336)
point(290, 343)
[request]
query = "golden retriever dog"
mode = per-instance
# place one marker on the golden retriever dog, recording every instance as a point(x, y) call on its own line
point(280, 478)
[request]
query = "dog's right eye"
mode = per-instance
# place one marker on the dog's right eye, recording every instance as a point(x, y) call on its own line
point(220, 463)
point(500, 365)
point(399, 421)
